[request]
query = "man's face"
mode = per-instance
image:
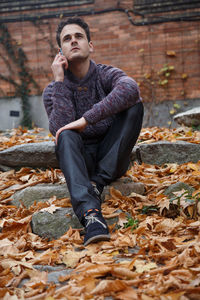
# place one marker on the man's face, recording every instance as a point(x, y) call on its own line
point(74, 43)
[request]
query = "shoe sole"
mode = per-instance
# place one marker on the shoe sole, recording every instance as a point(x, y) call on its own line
point(97, 238)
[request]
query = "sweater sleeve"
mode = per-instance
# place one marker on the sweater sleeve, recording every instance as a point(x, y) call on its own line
point(58, 104)
point(123, 93)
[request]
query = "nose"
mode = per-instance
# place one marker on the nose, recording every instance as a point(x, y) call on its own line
point(73, 40)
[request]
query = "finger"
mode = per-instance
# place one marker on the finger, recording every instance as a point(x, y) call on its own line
point(57, 135)
point(59, 56)
point(56, 138)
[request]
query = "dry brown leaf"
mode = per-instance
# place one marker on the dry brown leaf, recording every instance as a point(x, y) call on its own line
point(7, 247)
point(127, 294)
point(173, 245)
point(71, 258)
point(10, 297)
point(122, 219)
point(109, 286)
point(10, 263)
point(123, 272)
point(141, 266)
point(167, 226)
point(101, 259)
point(89, 283)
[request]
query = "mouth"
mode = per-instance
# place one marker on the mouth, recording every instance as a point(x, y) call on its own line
point(75, 48)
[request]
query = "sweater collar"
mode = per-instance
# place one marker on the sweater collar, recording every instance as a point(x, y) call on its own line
point(73, 81)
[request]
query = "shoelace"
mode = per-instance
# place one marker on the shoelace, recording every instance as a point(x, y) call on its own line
point(96, 189)
point(92, 219)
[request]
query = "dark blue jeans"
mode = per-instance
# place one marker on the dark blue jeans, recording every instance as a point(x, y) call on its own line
point(101, 162)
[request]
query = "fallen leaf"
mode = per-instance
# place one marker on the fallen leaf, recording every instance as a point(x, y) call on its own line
point(141, 266)
point(51, 209)
point(109, 286)
point(71, 258)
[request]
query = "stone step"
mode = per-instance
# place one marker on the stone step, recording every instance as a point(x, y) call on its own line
point(30, 155)
point(162, 152)
point(189, 118)
point(42, 192)
point(54, 225)
point(43, 154)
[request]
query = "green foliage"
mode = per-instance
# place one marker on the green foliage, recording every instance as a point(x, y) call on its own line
point(133, 223)
point(17, 57)
point(196, 128)
point(185, 199)
point(164, 72)
point(146, 210)
point(176, 105)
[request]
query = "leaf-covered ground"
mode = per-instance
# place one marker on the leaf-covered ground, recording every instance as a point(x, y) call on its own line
point(153, 254)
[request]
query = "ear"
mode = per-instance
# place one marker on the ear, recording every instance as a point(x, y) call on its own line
point(91, 47)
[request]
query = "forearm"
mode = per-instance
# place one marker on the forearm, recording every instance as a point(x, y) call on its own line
point(124, 95)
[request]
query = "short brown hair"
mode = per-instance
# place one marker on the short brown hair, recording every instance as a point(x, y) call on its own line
point(75, 20)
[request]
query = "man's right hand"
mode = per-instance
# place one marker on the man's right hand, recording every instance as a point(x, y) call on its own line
point(59, 64)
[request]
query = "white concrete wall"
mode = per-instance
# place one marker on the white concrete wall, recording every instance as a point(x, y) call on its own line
point(155, 114)
point(6, 106)
point(38, 113)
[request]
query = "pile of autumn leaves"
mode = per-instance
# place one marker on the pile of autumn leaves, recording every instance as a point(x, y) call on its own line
point(151, 255)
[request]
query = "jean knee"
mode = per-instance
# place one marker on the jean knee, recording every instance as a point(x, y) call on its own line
point(135, 112)
point(68, 135)
point(68, 138)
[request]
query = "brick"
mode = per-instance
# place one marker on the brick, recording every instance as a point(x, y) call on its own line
point(119, 43)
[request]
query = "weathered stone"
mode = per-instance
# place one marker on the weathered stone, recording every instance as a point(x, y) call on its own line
point(53, 273)
point(126, 186)
point(52, 226)
point(135, 155)
point(54, 276)
point(49, 268)
point(158, 113)
point(43, 154)
point(39, 193)
point(178, 187)
point(189, 118)
point(162, 152)
point(30, 155)
point(42, 192)
point(5, 168)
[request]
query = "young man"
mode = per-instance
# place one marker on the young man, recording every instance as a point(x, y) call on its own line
point(95, 113)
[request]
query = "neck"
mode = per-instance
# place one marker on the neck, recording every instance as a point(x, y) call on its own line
point(79, 68)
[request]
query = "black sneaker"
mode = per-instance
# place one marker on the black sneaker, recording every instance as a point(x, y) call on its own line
point(96, 227)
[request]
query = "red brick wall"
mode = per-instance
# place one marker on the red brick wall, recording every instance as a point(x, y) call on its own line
point(141, 51)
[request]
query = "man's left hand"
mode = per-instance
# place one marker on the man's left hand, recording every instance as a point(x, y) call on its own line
point(78, 125)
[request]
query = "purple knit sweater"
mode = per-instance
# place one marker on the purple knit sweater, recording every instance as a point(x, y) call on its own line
point(103, 92)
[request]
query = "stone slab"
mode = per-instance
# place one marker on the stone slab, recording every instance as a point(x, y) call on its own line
point(189, 118)
point(39, 193)
point(43, 154)
point(178, 186)
point(159, 153)
point(42, 192)
point(52, 226)
point(30, 155)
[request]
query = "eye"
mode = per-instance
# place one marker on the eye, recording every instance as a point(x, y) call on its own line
point(79, 35)
point(67, 38)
